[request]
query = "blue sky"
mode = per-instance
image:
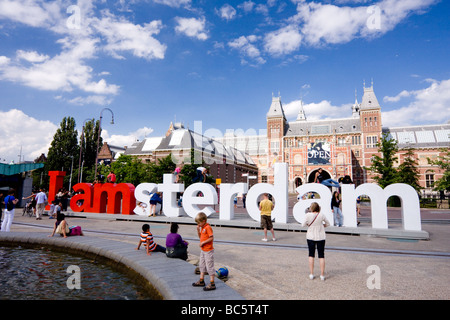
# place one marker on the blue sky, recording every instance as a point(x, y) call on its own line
point(156, 61)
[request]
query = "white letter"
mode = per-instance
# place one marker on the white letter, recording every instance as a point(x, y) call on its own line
point(142, 194)
point(374, 281)
point(190, 199)
point(227, 191)
point(74, 21)
point(374, 21)
point(74, 281)
point(170, 189)
point(324, 201)
point(279, 191)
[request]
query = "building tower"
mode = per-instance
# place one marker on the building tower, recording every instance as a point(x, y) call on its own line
point(370, 117)
point(276, 125)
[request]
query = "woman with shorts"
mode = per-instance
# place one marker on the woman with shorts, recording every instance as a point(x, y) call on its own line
point(315, 237)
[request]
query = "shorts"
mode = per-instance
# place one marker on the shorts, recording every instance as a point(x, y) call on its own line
point(206, 263)
point(266, 222)
point(320, 248)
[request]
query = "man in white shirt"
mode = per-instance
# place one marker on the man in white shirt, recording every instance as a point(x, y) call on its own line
point(41, 199)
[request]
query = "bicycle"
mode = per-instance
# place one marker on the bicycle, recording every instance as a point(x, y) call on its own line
point(28, 209)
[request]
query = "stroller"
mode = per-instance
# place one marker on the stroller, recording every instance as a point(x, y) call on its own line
point(28, 209)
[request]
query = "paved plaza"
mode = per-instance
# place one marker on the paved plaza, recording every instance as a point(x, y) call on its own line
point(405, 268)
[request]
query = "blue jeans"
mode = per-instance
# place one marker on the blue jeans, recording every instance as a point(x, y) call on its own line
point(331, 183)
point(338, 217)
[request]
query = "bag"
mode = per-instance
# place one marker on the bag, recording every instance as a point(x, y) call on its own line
point(59, 229)
point(178, 251)
point(9, 204)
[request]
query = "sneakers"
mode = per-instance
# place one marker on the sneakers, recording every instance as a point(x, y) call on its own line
point(265, 239)
point(311, 277)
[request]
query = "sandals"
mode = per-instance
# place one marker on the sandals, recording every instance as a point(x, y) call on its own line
point(210, 287)
point(201, 283)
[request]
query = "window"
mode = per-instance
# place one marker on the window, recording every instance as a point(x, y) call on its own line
point(341, 141)
point(371, 141)
point(429, 180)
point(356, 140)
point(264, 179)
point(275, 146)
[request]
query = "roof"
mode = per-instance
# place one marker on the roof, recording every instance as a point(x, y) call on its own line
point(12, 169)
point(276, 109)
point(424, 136)
point(184, 139)
point(369, 99)
point(323, 127)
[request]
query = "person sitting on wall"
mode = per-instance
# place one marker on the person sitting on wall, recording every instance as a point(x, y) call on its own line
point(320, 178)
point(201, 175)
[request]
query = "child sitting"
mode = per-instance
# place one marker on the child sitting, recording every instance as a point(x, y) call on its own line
point(146, 238)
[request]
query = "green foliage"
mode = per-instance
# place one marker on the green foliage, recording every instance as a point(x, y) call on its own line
point(444, 164)
point(383, 165)
point(63, 147)
point(408, 172)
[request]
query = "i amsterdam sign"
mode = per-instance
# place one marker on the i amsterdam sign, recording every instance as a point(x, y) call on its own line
point(123, 197)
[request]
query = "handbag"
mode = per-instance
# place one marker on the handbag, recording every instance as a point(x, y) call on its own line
point(60, 230)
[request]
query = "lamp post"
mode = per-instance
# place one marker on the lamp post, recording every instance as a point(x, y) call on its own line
point(98, 137)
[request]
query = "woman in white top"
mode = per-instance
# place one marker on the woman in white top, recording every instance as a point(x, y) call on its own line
point(315, 236)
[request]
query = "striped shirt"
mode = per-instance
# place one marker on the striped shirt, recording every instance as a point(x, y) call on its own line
point(147, 238)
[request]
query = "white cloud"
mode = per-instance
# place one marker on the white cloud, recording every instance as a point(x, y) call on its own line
point(431, 103)
point(32, 13)
point(31, 56)
point(174, 3)
point(245, 44)
point(128, 139)
point(20, 130)
point(227, 12)
point(66, 71)
point(93, 99)
point(317, 111)
point(323, 24)
point(192, 27)
point(283, 41)
point(122, 35)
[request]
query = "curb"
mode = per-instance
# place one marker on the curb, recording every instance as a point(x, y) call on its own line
point(169, 279)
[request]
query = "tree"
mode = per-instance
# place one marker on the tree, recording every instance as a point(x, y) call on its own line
point(64, 149)
point(157, 171)
point(443, 162)
point(408, 172)
point(88, 143)
point(189, 170)
point(384, 166)
point(128, 169)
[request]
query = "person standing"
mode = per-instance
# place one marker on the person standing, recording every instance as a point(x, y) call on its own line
point(335, 206)
point(315, 237)
point(41, 198)
point(206, 264)
point(111, 178)
point(266, 207)
point(10, 203)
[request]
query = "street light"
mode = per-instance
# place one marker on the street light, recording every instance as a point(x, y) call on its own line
point(98, 137)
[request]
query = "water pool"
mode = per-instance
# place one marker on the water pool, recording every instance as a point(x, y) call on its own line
point(41, 274)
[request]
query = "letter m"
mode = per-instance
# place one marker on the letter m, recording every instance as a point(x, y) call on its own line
point(378, 201)
point(109, 197)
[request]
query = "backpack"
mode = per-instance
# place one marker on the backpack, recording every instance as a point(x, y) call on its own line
point(9, 204)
